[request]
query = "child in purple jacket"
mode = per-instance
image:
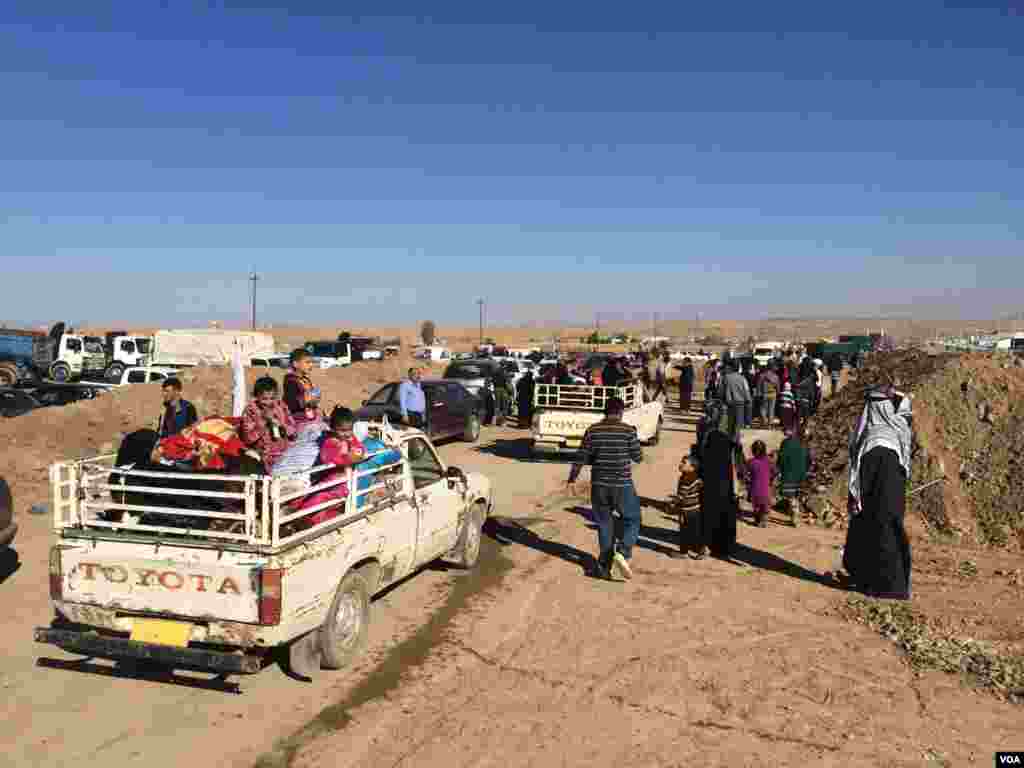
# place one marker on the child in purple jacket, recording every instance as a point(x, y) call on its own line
point(760, 474)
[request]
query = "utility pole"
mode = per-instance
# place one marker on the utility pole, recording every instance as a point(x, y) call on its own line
point(597, 331)
point(480, 302)
point(253, 277)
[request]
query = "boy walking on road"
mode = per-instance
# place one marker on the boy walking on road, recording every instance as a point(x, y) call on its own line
point(611, 447)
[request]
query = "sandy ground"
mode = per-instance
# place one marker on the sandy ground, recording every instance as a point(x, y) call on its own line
point(527, 662)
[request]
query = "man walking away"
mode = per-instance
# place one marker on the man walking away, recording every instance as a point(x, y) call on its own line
point(611, 447)
point(711, 376)
point(660, 376)
point(819, 381)
point(735, 393)
point(751, 376)
point(686, 377)
point(793, 463)
point(178, 412)
point(611, 375)
point(835, 368)
point(768, 385)
point(412, 401)
point(502, 395)
point(524, 397)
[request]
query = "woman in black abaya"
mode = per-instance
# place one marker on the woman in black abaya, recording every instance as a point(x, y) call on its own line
point(877, 552)
point(718, 508)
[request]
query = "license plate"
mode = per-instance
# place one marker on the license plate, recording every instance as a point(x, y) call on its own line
point(161, 632)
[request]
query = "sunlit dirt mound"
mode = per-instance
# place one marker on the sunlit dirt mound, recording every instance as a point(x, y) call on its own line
point(968, 419)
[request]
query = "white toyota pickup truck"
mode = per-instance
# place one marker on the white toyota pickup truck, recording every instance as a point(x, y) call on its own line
point(562, 414)
point(211, 572)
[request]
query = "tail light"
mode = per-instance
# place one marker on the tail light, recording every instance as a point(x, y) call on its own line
point(56, 578)
point(270, 596)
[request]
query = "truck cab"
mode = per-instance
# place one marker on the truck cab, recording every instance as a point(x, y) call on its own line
point(125, 351)
point(77, 356)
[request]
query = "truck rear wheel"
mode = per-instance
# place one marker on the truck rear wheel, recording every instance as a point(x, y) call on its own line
point(114, 373)
point(472, 431)
point(8, 376)
point(656, 438)
point(60, 372)
point(344, 635)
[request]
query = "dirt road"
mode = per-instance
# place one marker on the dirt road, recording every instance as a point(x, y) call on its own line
point(528, 662)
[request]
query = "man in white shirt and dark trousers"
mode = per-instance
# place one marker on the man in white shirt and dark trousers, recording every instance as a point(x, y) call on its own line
point(412, 401)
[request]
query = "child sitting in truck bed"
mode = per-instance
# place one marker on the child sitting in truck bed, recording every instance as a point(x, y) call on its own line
point(340, 448)
point(267, 425)
point(379, 456)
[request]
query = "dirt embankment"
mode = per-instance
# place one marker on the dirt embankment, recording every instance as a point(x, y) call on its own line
point(90, 427)
point(968, 419)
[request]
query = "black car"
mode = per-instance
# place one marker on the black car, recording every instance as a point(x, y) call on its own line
point(15, 402)
point(452, 410)
point(477, 375)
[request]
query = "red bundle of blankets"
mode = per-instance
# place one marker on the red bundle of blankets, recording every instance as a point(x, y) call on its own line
point(205, 443)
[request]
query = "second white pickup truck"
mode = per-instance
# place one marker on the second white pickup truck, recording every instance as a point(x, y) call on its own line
point(562, 414)
point(211, 572)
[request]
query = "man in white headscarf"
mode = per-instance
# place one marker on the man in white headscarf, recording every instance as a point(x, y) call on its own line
point(877, 552)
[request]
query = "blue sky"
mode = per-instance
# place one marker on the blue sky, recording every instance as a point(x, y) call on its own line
point(738, 159)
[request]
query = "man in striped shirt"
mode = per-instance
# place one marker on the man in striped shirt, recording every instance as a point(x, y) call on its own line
point(610, 447)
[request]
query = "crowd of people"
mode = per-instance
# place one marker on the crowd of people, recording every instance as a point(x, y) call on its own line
point(877, 555)
point(290, 431)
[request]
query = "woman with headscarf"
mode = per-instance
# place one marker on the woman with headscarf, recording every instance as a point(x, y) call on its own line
point(719, 504)
point(877, 552)
point(524, 398)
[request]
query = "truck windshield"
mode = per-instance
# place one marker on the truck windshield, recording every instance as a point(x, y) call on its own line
point(142, 345)
point(94, 345)
point(321, 350)
point(1017, 345)
point(764, 351)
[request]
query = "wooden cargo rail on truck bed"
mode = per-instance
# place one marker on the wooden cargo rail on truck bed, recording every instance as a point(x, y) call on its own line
point(249, 510)
point(583, 397)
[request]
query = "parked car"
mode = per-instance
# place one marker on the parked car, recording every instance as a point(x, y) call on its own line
point(452, 410)
point(15, 402)
point(145, 375)
point(330, 354)
point(433, 353)
point(7, 525)
point(271, 361)
point(477, 376)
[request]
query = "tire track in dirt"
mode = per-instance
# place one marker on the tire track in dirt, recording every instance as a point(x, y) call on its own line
point(402, 660)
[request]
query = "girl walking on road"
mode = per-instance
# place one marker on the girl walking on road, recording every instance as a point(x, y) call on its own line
point(760, 473)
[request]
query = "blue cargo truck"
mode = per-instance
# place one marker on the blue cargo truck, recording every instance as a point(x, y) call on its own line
point(25, 356)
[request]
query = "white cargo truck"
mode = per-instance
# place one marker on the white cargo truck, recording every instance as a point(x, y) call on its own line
point(212, 572)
